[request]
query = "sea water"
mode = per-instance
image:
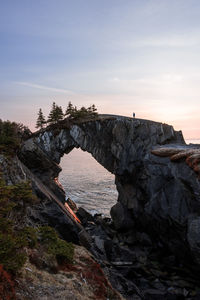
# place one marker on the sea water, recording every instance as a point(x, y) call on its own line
point(89, 184)
point(192, 141)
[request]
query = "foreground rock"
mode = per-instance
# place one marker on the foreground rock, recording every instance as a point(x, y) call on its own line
point(82, 280)
point(136, 272)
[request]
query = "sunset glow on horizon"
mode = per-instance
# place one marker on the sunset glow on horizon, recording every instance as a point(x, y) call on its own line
point(124, 56)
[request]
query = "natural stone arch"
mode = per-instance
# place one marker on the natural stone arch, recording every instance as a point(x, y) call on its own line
point(121, 145)
point(116, 143)
point(155, 194)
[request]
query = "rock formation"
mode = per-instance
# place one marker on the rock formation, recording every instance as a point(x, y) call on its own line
point(159, 198)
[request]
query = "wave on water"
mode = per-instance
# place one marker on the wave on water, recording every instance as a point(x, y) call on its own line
point(88, 183)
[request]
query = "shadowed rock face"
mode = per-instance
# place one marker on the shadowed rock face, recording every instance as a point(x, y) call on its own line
point(157, 196)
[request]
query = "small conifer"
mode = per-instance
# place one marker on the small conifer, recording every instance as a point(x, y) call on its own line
point(40, 120)
point(69, 109)
point(56, 114)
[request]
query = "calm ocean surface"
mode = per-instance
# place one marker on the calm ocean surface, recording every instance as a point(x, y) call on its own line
point(89, 184)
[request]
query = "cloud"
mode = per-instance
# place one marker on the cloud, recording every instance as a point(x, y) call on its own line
point(160, 40)
point(167, 78)
point(43, 87)
point(170, 41)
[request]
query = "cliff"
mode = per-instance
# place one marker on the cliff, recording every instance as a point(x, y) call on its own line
point(155, 194)
point(158, 208)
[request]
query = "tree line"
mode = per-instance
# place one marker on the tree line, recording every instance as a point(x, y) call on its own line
point(57, 114)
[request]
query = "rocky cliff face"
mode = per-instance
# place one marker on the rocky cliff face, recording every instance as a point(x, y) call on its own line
point(152, 190)
point(158, 205)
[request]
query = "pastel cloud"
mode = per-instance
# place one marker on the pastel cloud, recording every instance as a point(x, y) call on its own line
point(46, 88)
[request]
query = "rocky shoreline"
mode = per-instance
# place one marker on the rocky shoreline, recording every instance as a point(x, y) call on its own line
point(138, 270)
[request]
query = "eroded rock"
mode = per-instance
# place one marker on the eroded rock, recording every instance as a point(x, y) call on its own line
point(156, 178)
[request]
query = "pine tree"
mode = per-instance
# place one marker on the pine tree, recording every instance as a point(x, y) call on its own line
point(93, 110)
point(89, 109)
point(40, 120)
point(51, 117)
point(69, 109)
point(93, 107)
point(56, 114)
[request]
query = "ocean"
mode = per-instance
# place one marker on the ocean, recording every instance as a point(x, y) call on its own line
point(89, 184)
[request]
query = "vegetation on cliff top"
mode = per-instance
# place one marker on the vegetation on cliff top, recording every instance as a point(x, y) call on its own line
point(72, 112)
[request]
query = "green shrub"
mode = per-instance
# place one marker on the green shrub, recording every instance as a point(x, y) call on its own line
point(23, 191)
point(62, 250)
point(29, 234)
point(13, 239)
point(10, 255)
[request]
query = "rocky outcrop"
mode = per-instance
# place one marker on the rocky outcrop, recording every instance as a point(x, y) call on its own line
point(82, 280)
point(191, 155)
point(48, 209)
point(158, 205)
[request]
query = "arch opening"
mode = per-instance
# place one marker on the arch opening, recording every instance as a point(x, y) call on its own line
point(87, 182)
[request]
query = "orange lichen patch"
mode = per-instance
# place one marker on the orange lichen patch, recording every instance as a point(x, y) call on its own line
point(72, 213)
point(7, 291)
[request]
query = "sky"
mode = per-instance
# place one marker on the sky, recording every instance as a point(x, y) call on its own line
point(124, 56)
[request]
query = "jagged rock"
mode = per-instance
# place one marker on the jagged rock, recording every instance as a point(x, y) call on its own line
point(121, 216)
point(84, 216)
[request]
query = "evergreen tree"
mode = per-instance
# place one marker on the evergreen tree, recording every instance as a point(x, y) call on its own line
point(72, 112)
point(89, 109)
point(56, 114)
point(40, 120)
point(51, 116)
point(69, 109)
point(94, 110)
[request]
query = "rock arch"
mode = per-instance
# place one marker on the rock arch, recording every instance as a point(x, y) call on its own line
point(156, 196)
